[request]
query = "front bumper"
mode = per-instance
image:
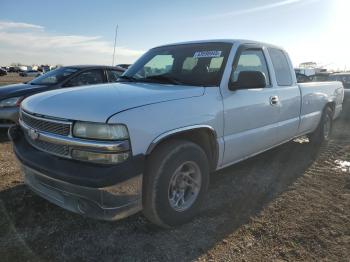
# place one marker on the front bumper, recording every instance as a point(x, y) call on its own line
point(97, 191)
point(108, 203)
point(8, 116)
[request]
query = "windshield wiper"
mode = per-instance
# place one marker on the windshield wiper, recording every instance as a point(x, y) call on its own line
point(128, 78)
point(162, 79)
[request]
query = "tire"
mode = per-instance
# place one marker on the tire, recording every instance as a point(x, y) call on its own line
point(324, 129)
point(162, 205)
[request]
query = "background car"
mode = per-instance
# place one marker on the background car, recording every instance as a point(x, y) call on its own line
point(33, 73)
point(125, 66)
point(301, 78)
point(11, 96)
point(3, 72)
point(320, 77)
point(345, 79)
point(13, 69)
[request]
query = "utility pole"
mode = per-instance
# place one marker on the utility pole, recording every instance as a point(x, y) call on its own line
point(115, 42)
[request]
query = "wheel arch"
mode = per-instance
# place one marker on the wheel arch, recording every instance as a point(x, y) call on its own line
point(203, 135)
point(331, 105)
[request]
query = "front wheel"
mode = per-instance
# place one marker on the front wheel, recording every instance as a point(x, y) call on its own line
point(175, 183)
point(324, 130)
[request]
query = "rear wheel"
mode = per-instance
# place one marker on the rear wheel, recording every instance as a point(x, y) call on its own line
point(175, 183)
point(324, 130)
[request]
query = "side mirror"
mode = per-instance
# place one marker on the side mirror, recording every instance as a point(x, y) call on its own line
point(249, 79)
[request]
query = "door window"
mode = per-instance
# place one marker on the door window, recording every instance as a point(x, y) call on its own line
point(251, 60)
point(113, 75)
point(89, 77)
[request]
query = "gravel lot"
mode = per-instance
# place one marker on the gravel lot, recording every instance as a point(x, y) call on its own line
point(13, 78)
point(290, 203)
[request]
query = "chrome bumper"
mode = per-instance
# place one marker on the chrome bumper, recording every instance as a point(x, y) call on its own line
point(107, 203)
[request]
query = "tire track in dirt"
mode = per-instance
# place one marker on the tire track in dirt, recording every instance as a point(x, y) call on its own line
point(309, 222)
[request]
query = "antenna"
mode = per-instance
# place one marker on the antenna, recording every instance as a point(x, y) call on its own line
point(115, 42)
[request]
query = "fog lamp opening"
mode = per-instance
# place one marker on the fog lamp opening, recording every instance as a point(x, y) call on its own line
point(96, 157)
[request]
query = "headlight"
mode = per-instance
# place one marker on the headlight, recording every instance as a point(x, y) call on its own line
point(100, 131)
point(11, 102)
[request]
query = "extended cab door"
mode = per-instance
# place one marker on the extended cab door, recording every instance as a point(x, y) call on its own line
point(250, 115)
point(289, 97)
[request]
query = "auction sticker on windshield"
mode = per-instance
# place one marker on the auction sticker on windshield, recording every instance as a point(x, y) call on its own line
point(212, 53)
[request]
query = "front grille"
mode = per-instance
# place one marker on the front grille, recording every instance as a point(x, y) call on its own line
point(46, 125)
point(60, 150)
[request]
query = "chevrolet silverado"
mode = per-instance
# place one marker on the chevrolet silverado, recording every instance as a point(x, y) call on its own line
point(150, 141)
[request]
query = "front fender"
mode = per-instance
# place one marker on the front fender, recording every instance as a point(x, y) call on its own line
point(148, 124)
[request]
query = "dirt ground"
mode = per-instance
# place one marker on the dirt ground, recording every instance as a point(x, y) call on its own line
point(12, 78)
point(290, 203)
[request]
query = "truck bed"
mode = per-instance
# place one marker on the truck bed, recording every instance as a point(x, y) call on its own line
point(314, 95)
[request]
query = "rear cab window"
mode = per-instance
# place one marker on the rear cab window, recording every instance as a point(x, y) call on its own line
point(281, 66)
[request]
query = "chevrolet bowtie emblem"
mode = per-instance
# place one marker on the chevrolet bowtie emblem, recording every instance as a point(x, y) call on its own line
point(33, 134)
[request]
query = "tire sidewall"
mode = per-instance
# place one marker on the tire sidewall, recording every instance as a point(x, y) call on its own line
point(327, 113)
point(180, 154)
point(318, 136)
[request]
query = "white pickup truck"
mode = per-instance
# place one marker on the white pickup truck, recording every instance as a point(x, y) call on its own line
point(181, 112)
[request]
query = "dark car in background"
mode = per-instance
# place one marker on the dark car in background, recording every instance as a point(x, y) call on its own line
point(301, 78)
point(320, 77)
point(33, 73)
point(11, 96)
point(14, 69)
point(345, 79)
point(3, 72)
point(125, 66)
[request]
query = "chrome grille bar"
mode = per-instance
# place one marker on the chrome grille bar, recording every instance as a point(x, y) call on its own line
point(46, 125)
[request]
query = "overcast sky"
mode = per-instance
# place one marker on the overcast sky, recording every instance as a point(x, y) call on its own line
point(79, 32)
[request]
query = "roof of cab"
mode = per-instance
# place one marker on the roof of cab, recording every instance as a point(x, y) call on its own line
point(230, 41)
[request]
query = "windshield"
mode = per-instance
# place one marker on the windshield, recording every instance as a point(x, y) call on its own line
point(54, 76)
point(188, 64)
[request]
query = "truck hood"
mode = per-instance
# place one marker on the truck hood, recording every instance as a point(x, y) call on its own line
point(98, 102)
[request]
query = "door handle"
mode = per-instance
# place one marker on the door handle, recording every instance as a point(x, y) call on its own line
point(274, 100)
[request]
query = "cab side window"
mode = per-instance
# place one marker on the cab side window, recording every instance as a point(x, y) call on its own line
point(281, 66)
point(89, 77)
point(251, 60)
